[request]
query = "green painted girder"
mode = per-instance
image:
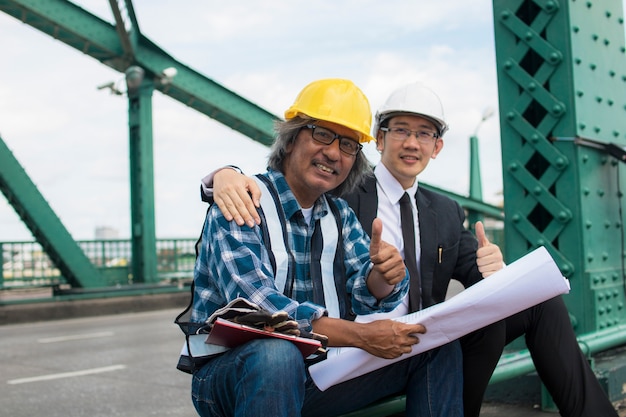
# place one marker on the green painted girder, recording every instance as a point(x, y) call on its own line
point(99, 39)
point(475, 187)
point(469, 203)
point(43, 223)
point(143, 233)
point(561, 78)
point(126, 26)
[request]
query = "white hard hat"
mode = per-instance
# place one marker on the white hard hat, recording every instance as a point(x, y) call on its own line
point(416, 99)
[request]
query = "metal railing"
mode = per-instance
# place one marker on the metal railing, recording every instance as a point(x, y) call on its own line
point(25, 264)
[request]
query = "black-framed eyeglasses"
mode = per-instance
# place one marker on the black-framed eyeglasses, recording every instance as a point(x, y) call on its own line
point(325, 136)
point(424, 137)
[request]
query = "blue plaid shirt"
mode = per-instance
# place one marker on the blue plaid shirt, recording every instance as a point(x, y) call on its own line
point(233, 262)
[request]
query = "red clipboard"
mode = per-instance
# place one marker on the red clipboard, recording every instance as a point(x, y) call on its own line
point(229, 334)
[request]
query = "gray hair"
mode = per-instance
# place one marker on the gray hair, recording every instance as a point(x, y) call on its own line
point(286, 133)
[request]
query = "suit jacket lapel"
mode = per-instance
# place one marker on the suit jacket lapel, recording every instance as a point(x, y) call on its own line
point(364, 202)
point(367, 204)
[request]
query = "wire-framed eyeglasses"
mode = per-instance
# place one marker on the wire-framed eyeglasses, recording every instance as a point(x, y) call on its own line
point(325, 136)
point(424, 137)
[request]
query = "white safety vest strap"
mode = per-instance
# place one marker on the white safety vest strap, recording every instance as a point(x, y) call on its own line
point(275, 229)
point(276, 233)
point(329, 234)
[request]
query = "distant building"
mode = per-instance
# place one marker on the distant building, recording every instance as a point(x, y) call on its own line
point(106, 233)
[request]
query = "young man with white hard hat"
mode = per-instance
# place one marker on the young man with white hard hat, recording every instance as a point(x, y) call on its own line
point(448, 250)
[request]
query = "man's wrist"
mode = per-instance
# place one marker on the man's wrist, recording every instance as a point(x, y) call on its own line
point(206, 184)
point(236, 168)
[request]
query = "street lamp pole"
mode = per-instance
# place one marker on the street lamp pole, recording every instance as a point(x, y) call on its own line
point(475, 186)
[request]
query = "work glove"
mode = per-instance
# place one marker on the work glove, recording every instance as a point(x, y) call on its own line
point(323, 339)
point(244, 312)
point(271, 322)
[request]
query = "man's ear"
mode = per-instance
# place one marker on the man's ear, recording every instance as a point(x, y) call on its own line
point(380, 142)
point(289, 146)
point(438, 147)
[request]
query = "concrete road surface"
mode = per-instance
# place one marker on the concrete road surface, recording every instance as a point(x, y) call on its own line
point(118, 365)
point(114, 365)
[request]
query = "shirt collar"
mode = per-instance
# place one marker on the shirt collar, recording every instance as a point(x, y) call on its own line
point(390, 185)
point(290, 204)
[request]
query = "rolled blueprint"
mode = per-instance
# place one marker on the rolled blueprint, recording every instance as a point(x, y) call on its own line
point(530, 280)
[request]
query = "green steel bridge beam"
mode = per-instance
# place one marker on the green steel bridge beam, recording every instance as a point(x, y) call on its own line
point(100, 40)
point(562, 76)
point(126, 26)
point(475, 188)
point(122, 47)
point(44, 224)
point(470, 203)
point(143, 233)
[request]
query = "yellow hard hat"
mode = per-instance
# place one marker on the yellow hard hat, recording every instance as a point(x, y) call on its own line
point(335, 100)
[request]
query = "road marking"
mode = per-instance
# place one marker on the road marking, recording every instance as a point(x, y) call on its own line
point(66, 374)
point(74, 337)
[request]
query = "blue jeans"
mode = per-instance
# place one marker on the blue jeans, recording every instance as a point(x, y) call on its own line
point(268, 377)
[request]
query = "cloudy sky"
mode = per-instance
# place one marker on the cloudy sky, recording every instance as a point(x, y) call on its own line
point(72, 138)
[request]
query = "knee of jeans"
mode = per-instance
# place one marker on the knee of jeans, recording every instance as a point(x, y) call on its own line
point(273, 355)
point(451, 350)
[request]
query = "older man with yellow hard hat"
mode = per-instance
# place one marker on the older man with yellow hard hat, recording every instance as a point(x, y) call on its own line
point(310, 258)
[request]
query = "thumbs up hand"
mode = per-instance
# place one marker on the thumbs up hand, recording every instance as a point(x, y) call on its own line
point(388, 268)
point(377, 237)
point(488, 256)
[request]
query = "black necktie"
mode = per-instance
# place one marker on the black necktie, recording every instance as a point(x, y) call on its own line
point(408, 235)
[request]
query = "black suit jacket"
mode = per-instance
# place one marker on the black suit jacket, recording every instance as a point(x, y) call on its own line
point(441, 221)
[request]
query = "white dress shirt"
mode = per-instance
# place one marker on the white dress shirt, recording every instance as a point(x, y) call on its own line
point(389, 193)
